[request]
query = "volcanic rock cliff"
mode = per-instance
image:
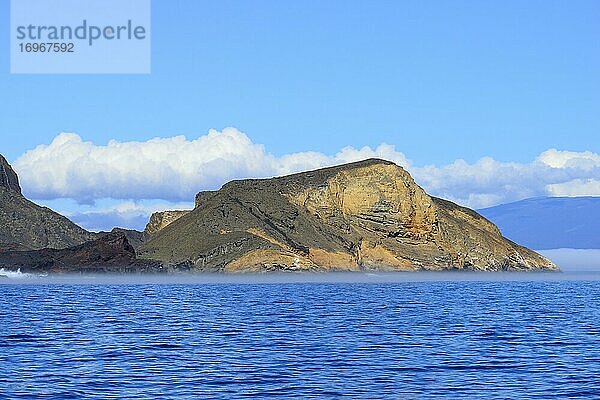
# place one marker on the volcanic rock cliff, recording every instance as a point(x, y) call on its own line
point(368, 215)
point(27, 226)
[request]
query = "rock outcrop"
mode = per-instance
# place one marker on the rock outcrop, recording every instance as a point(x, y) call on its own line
point(135, 238)
point(109, 253)
point(159, 220)
point(368, 215)
point(27, 226)
point(8, 177)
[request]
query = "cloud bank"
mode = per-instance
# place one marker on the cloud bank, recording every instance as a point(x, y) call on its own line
point(175, 169)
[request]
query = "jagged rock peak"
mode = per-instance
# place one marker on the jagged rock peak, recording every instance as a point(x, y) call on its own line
point(160, 220)
point(8, 177)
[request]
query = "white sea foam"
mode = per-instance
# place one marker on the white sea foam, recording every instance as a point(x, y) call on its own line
point(15, 274)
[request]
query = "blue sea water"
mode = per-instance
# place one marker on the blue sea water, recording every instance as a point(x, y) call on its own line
point(462, 338)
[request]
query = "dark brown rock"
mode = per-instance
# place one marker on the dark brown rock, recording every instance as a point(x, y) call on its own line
point(135, 238)
point(110, 253)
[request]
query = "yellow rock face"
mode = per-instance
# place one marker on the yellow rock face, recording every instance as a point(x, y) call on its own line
point(378, 257)
point(160, 220)
point(270, 260)
point(379, 194)
point(335, 261)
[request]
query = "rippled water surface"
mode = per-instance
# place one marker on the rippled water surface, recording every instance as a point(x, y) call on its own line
point(460, 339)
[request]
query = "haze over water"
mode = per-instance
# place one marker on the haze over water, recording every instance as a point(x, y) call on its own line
point(301, 336)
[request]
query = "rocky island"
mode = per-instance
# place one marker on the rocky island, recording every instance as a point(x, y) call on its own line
point(367, 215)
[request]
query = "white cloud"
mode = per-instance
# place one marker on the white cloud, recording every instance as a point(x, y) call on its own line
point(488, 182)
point(170, 168)
point(384, 151)
point(107, 213)
point(175, 169)
point(576, 187)
point(570, 159)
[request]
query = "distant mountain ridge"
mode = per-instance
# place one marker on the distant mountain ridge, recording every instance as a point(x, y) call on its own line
point(549, 222)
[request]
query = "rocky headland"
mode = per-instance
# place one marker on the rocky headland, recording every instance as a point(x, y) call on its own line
point(368, 215)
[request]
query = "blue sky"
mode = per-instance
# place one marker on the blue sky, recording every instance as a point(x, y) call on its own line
point(439, 80)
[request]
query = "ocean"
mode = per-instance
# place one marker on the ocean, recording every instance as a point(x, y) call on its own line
point(388, 336)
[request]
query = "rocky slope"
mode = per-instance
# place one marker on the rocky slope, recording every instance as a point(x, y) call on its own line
point(368, 215)
point(27, 226)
